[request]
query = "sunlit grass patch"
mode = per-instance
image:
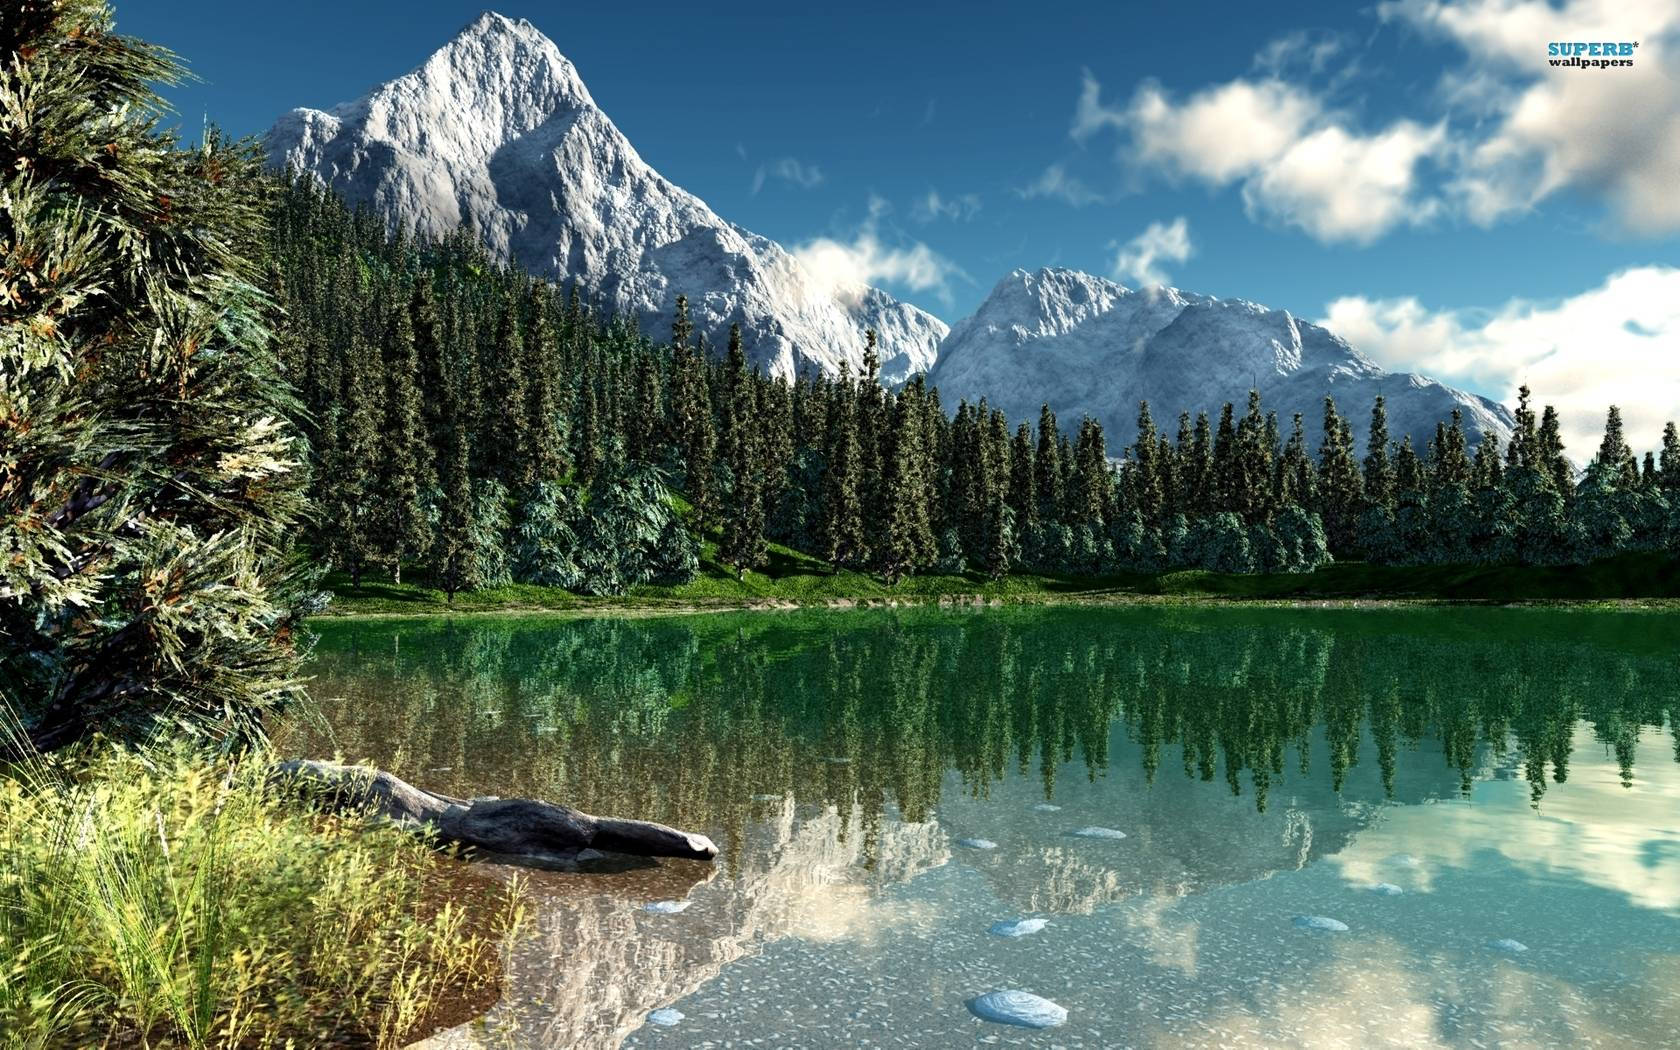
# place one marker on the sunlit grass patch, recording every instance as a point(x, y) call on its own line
point(171, 901)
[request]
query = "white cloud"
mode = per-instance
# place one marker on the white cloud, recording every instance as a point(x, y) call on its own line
point(1614, 133)
point(1057, 184)
point(1614, 344)
point(1502, 131)
point(932, 206)
point(839, 267)
point(1219, 134)
point(1137, 259)
point(1339, 186)
point(1299, 163)
point(791, 170)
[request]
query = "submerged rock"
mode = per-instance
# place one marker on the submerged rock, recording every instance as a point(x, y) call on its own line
point(1321, 923)
point(667, 907)
point(1022, 1009)
point(1097, 833)
point(1017, 927)
point(1404, 860)
point(1047, 807)
point(1387, 889)
point(977, 843)
point(665, 1017)
point(1508, 946)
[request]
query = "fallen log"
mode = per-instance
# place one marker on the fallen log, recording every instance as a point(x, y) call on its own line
point(510, 827)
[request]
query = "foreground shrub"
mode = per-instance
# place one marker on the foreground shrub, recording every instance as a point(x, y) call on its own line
point(177, 902)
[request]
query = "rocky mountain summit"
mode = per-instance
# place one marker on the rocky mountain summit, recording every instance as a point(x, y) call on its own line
point(497, 132)
point(1087, 345)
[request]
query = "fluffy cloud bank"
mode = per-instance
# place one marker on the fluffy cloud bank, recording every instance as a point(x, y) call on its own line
point(1299, 162)
point(1614, 344)
point(1614, 133)
point(1503, 130)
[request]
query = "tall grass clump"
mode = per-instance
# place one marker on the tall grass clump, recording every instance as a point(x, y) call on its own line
point(175, 901)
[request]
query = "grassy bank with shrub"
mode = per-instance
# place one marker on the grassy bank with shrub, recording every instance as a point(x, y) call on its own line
point(174, 901)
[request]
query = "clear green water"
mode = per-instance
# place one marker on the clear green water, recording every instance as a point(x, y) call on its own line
point(1513, 773)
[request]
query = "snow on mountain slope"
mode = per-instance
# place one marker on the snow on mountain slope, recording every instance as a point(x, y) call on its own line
point(497, 132)
point(1090, 346)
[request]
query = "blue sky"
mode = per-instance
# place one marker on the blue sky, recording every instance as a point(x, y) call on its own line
point(1413, 171)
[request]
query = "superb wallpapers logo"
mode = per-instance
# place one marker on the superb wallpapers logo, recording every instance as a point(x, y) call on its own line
point(1598, 54)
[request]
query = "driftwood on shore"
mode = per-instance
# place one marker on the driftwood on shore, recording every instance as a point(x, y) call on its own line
point(513, 827)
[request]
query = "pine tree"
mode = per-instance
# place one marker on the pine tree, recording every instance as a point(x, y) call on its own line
point(1023, 495)
point(454, 560)
point(508, 439)
point(1669, 464)
point(691, 408)
point(1047, 465)
point(1090, 497)
point(349, 522)
point(1379, 471)
point(906, 538)
point(1614, 456)
point(1297, 483)
point(400, 526)
point(1225, 482)
point(646, 420)
point(1256, 447)
point(588, 451)
point(152, 486)
point(743, 518)
point(840, 520)
point(1549, 452)
point(1198, 469)
point(1147, 488)
point(542, 456)
point(1339, 489)
point(1524, 446)
point(431, 364)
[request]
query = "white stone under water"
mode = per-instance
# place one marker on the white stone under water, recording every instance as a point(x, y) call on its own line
point(1022, 1009)
point(1098, 833)
point(1047, 807)
point(977, 844)
point(1017, 927)
point(665, 1017)
point(1321, 923)
point(1387, 889)
point(667, 907)
point(1507, 945)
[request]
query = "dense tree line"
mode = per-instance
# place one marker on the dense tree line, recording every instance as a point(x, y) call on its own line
point(490, 427)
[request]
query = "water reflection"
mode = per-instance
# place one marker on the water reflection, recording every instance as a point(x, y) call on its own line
point(1523, 757)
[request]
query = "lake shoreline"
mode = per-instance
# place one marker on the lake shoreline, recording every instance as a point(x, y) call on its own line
point(1649, 579)
point(628, 609)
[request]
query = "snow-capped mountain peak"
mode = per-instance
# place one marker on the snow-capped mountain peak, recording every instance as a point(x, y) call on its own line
point(497, 132)
point(1088, 346)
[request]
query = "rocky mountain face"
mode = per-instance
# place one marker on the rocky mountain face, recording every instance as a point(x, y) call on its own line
point(1090, 346)
point(496, 132)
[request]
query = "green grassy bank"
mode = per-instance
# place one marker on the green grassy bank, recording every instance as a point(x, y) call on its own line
point(794, 578)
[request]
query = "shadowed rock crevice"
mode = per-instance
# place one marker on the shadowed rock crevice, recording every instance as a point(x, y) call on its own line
point(514, 827)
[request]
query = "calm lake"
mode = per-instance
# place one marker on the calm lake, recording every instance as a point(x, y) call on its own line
point(1488, 800)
